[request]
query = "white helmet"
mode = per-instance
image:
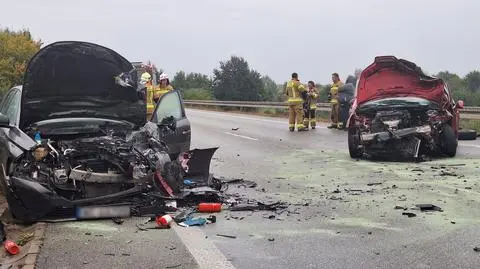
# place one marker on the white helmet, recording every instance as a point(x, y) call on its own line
point(163, 76)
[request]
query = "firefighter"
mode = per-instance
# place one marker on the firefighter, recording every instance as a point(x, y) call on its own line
point(333, 96)
point(311, 105)
point(145, 78)
point(345, 98)
point(163, 88)
point(293, 91)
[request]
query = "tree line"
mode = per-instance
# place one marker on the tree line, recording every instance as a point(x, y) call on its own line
point(233, 80)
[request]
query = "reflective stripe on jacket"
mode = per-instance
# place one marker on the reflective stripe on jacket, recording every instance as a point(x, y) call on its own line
point(294, 89)
point(159, 91)
point(334, 92)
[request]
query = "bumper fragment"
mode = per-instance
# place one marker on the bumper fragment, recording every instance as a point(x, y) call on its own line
point(397, 134)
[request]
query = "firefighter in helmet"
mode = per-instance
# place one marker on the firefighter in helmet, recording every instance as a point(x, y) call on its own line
point(311, 105)
point(333, 96)
point(163, 87)
point(294, 91)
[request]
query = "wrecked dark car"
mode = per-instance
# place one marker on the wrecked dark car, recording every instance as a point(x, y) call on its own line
point(75, 141)
point(400, 112)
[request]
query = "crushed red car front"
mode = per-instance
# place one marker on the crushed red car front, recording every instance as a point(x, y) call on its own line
point(399, 111)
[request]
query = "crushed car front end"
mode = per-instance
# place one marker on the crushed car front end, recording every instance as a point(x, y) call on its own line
point(83, 147)
point(402, 127)
point(401, 113)
point(122, 173)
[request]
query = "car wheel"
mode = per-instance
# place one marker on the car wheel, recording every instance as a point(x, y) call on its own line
point(449, 141)
point(354, 142)
point(467, 134)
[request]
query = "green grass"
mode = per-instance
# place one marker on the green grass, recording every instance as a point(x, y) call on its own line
point(470, 124)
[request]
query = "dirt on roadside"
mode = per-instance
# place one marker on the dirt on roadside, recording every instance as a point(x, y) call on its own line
point(21, 234)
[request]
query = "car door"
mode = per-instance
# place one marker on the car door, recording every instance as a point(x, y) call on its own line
point(5, 144)
point(171, 105)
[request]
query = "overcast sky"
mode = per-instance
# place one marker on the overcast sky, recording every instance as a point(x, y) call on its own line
point(277, 37)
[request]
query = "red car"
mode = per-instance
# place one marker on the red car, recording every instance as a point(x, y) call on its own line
point(399, 111)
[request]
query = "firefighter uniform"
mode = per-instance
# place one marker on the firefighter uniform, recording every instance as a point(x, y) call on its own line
point(159, 91)
point(311, 106)
point(335, 103)
point(295, 105)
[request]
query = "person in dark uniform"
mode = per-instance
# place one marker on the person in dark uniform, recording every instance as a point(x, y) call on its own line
point(345, 98)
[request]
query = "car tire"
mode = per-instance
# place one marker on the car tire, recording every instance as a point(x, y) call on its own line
point(467, 134)
point(354, 143)
point(449, 141)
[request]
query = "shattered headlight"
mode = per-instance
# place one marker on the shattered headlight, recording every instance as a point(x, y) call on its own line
point(432, 113)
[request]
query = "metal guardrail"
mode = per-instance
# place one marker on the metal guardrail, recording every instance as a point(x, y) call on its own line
point(466, 112)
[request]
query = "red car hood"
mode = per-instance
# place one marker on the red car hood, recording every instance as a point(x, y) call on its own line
point(389, 77)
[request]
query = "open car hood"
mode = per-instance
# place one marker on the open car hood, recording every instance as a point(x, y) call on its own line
point(73, 79)
point(389, 77)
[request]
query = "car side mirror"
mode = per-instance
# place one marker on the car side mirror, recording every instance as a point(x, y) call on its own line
point(460, 104)
point(4, 121)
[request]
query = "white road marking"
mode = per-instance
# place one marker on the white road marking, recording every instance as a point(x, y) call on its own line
point(469, 145)
point(205, 253)
point(242, 136)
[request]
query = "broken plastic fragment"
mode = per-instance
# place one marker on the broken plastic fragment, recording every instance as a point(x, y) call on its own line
point(226, 235)
point(194, 222)
point(123, 80)
point(429, 207)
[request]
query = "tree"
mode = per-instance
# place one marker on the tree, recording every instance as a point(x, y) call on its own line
point(16, 49)
point(454, 82)
point(472, 81)
point(357, 73)
point(269, 92)
point(184, 81)
point(198, 80)
point(179, 80)
point(235, 81)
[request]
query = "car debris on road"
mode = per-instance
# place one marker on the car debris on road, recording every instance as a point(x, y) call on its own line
point(106, 161)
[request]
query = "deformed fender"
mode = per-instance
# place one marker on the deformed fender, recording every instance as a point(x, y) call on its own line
point(197, 162)
point(31, 201)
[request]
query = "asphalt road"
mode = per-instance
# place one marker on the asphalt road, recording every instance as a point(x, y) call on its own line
point(104, 244)
point(344, 215)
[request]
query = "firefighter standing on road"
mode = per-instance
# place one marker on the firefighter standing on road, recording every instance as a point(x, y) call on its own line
point(163, 88)
point(293, 91)
point(333, 96)
point(312, 95)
